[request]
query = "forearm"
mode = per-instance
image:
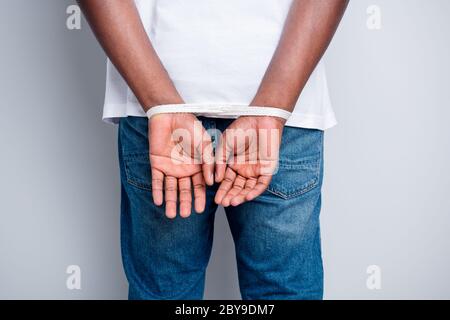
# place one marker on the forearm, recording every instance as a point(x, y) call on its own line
point(119, 29)
point(309, 28)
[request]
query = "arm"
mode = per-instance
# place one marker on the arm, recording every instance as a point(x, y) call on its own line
point(119, 30)
point(309, 28)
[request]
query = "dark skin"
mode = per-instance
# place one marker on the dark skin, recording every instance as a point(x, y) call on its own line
point(308, 31)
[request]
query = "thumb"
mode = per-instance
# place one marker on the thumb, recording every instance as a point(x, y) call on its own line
point(207, 157)
point(223, 153)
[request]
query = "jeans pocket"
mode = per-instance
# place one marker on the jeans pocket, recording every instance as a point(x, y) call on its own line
point(295, 178)
point(137, 170)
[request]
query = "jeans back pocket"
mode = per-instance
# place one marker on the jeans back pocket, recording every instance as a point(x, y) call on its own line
point(300, 163)
point(294, 179)
point(137, 170)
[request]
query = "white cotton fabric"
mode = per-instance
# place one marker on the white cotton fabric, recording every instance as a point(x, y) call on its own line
point(216, 52)
point(228, 111)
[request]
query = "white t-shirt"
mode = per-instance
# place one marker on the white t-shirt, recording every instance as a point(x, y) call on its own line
point(217, 52)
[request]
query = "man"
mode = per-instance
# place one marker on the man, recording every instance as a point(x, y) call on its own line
point(261, 53)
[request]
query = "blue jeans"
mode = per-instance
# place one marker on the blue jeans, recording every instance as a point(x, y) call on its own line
point(276, 236)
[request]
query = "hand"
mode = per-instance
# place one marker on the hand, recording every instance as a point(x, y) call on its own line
point(246, 158)
point(181, 156)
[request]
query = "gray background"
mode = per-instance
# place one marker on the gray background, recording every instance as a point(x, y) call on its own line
point(386, 199)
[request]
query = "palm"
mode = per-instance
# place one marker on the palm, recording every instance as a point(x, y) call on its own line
point(257, 153)
point(247, 169)
point(178, 146)
point(247, 158)
point(168, 156)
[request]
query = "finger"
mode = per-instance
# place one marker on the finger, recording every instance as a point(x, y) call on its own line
point(238, 185)
point(240, 198)
point(225, 186)
point(223, 152)
point(157, 186)
point(204, 152)
point(184, 184)
point(260, 187)
point(171, 191)
point(199, 192)
point(208, 161)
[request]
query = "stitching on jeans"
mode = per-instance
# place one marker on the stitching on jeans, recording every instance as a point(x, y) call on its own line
point(288, 195)
point(130, 178)
point(313, 162)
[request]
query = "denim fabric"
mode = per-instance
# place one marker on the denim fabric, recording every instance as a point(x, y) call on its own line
point(276, 236)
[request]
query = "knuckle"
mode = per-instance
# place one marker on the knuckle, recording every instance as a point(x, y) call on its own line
point(199, 186)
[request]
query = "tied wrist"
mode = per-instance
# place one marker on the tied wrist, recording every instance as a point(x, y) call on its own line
point(219, 110)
